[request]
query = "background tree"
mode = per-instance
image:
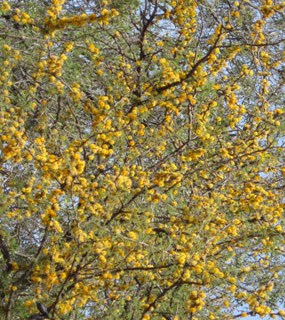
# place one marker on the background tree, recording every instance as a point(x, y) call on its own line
point(142, 164)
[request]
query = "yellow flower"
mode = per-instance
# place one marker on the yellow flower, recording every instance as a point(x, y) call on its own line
point(5, 6)
point(132, 235)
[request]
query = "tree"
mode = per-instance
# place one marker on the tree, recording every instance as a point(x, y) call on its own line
point(142, 164)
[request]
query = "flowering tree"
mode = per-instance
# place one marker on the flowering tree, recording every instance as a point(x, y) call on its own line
point(141, 169)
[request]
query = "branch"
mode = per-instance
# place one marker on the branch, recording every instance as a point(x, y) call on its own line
point(6, 254)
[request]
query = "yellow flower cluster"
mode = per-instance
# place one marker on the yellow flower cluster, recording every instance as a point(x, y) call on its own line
point(141, 176)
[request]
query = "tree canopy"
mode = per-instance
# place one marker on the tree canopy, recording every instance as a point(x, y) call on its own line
point(141, 159)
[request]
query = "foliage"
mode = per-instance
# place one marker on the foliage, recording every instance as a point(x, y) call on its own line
point(141, 159)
